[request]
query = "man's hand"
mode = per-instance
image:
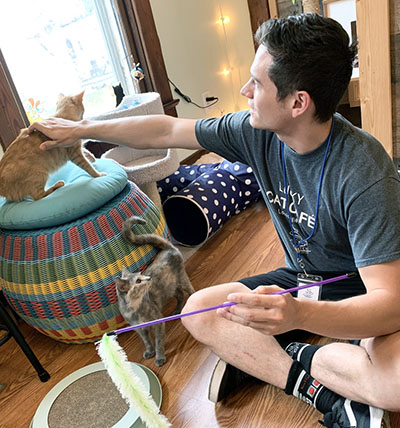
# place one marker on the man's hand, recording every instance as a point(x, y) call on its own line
point(61, 132)
point(258, 309)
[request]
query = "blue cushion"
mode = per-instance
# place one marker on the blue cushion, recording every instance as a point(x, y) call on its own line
point(80, 195)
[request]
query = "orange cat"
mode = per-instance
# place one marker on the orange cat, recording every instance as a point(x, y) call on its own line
point(25, 168)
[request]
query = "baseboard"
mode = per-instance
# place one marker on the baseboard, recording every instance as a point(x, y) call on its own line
point(191, 159)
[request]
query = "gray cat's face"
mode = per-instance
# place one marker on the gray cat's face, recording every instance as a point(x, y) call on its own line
point(133, 285)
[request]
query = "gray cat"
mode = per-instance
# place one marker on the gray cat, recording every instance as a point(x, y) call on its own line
point(141, 296)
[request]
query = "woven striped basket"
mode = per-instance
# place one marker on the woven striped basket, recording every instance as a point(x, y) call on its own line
point(60, 280)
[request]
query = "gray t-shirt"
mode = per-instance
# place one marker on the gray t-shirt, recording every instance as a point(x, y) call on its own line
point(358, 222)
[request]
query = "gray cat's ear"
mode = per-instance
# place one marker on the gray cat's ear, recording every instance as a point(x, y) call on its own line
point(124, 272)
point(121, 284)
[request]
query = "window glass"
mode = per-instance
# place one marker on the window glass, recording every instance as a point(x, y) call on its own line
point(58, 46)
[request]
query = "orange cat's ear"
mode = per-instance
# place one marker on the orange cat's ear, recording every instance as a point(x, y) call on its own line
point(80, 96)
point(60, 97)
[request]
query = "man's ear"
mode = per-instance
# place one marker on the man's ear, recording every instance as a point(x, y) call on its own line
point(301, 102)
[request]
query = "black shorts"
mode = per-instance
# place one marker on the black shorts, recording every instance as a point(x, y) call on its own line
point(287, 278)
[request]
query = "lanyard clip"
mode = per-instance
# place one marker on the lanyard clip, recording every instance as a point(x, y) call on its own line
point(300, 261)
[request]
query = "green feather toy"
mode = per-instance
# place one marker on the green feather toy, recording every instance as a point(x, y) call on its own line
point(128, 383)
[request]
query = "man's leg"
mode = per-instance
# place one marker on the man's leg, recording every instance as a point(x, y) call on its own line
point(369, 373)
point(243, 347)
point(346, 369)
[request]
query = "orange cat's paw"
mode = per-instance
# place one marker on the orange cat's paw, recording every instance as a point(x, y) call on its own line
point(59, 184)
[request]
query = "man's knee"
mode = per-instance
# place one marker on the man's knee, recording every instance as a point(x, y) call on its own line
point(201, 325)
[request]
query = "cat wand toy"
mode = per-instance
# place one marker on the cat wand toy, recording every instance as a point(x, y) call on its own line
point(129, 384)
point(224, 305)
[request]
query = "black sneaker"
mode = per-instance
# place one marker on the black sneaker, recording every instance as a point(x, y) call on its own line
point(225, 379)
point(346, 413)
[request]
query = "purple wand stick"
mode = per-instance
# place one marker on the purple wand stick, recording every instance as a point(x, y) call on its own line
point(224, 305)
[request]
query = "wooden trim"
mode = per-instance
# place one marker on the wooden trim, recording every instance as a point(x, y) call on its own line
point(191, 159)
point(144, 45)
point(273, 9)
point(259, 12)
point(12, 117)
point(375, 73)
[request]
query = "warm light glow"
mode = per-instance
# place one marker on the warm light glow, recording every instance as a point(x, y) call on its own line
point(223, 20)
point(226, 71)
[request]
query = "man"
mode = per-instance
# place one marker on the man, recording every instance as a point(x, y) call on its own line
point(333, 194)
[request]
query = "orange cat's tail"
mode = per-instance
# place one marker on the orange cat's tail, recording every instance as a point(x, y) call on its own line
point(143, 239)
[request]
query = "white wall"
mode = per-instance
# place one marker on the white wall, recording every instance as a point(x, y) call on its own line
point(196, 49)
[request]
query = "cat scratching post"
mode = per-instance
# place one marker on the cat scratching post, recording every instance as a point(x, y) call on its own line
point(146, 166)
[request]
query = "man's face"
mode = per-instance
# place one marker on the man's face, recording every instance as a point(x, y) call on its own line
point(266, 112)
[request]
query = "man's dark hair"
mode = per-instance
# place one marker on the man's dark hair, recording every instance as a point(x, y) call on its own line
point(310, 53)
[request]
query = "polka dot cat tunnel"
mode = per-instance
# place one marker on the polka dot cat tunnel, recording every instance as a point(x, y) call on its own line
point(199, 199)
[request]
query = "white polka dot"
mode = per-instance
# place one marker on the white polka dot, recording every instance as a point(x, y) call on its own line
point(247, 193)
point(234, 188)
point(236, 206)
point(200, 189)
point(167, 180)
point(191, 172)
point(228, 213)
point(240, 194)
point(216, 202)
point(223, 183)
point(237, 211)
point(202, 166)
point(204, 198)
point(159, 190)
point(225, 195)
point(214, 216)
point(219, 221)
point(174, 189)
point(186, 190)
point(236, 168)
point(247, 202)
point(219, 175)
point(232, 200)
point(214, 191)
point(224, 208)
point(187, 167)
point(182, 179)
point(249, 170)
point(190, 196)
point(247, 181)
point(210, 182)
point(197, 184)
point(176, 172)
point(231, 177)
point(206, 176)
point(210, 230)
point(205, 210)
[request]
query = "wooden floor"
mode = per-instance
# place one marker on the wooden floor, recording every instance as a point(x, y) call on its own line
point(246, 245)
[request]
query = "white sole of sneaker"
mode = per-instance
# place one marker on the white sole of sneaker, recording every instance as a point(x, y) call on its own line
point(215, 382)
point(376, 417)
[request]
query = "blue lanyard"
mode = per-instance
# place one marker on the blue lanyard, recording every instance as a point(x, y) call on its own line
point(295, 243)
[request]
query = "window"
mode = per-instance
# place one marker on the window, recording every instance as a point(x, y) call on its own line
point(56, 46)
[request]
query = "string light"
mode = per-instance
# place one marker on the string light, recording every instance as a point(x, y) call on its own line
point(223, 20)
point(226, 71)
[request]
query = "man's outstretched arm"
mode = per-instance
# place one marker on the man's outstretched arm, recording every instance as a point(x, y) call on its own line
point(152, 131)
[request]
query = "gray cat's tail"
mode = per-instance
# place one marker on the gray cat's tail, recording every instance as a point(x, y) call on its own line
point(143, 239)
